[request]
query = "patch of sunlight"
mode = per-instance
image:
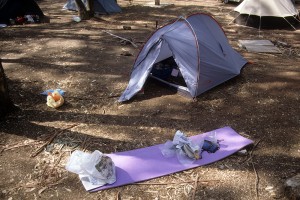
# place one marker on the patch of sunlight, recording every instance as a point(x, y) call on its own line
point(291, 75)
point(138, 22)
point(275, 151)
point(111, 76)
point(244, 93)
point(70, 63)
point(268, 101)
point(69, 43)
point(54, 124)
point(271, 85)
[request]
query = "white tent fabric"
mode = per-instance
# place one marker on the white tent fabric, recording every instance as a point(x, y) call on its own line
point(275, 8)
point(200, 50)
point(267, 14)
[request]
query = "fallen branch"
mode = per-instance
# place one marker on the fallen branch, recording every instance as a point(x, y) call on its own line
point(100, 97)
point(50, 140)
point(195, 187)
point(133, 44)
point(58, 160)
point(251, 152)
point(118, 194)
point(18, 145)
point(84, 144)
point(287, 164)
point(256, 180)
point(176, 183)
point(57, 182)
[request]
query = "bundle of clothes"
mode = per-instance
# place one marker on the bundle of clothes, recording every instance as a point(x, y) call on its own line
point(186, 150)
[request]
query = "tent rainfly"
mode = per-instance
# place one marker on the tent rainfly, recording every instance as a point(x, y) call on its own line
point(267, 14)
point(100, 6)
point(202, 55)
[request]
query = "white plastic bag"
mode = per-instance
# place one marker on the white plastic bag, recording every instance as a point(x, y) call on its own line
point(98, 168)
point(168, 149)
point(176, 147)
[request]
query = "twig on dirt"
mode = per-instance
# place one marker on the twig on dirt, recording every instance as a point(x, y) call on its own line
point(287, 164)
point(84, 144)
point(42, 190)
point(133, 44)
point(79, 98)
point(251, 152)
point(19, 145)
point(57, 182)
point(256, 180)
point(50, 175)
point(50, 140)
point(100, 97)
point(58, 159)
point(113, 96)
point(195, 187)
point(118, 195)
point(177, 183)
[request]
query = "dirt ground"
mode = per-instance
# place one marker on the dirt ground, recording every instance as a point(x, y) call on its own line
point(93, 67)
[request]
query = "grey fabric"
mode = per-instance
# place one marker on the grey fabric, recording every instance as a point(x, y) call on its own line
point(199, 48)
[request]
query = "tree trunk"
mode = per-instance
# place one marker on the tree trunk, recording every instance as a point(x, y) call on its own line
point(6, 104)
point(157, 2)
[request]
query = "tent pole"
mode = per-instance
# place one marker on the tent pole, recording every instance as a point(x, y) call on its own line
point(297, 18)
point(247, 20)
point(259, 26)
point(234, 19)
point(198, 53)
point(248, 17)
point(194, 33)
point(290, 23)
point(178, 18)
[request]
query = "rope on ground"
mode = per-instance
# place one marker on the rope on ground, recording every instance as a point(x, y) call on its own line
point(122, 38)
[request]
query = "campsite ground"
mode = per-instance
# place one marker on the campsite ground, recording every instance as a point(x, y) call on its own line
point(93, 68)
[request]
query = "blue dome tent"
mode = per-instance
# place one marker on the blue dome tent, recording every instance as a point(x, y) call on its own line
point(202, 54)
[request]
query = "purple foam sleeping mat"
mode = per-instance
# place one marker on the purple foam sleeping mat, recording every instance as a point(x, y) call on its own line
point(148, 163)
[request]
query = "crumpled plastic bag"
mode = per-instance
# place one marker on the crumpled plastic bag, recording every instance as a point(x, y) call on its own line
point(98, 168)
point(179, 147)
point(211, 144)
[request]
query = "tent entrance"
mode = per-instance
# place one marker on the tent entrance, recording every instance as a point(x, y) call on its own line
point(168, 72)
